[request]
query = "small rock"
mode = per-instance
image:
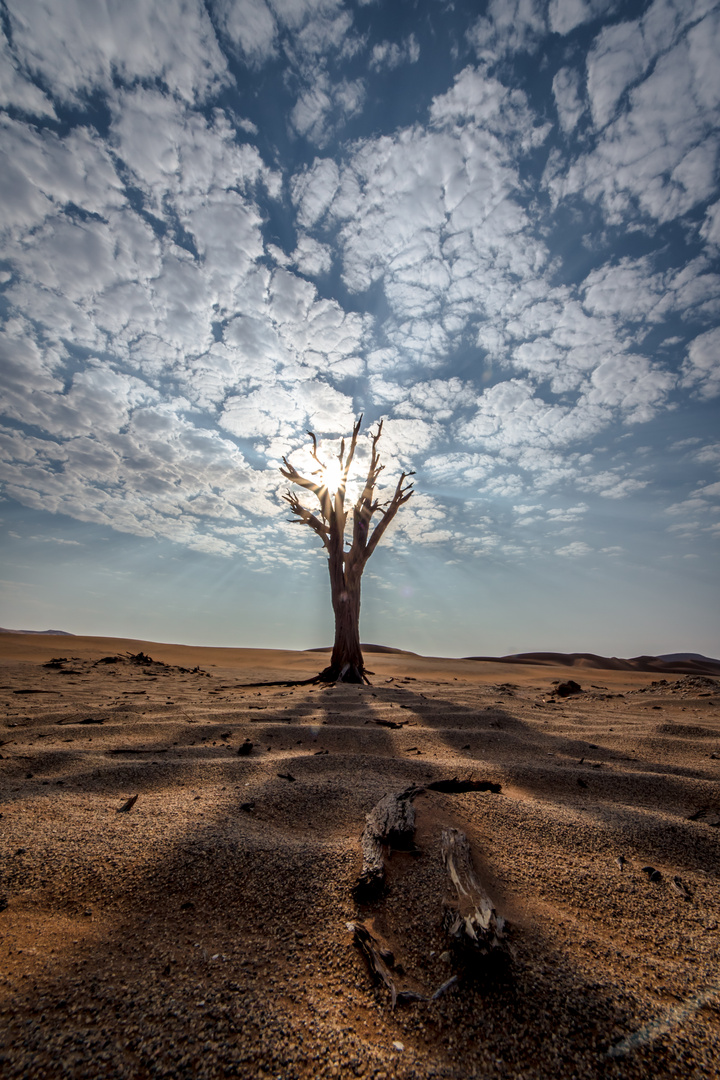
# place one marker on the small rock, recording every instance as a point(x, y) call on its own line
point(246, 749)
point(565, 689)
point(398, 1046)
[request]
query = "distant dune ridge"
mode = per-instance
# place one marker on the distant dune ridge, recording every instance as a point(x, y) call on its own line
point(681, 663)
point(668, 664)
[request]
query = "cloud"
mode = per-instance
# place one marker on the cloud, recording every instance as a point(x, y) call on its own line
point(250, 26)
point(324, 107)
point(16, 89)
point(610, 485)
point(510, 416)
point(564, 16)
point(175, 314)
point(389, 55)
point(76, 48)
point(659, 152)
point(311, 257)
point(701, 368)
point(576, 550)
point(510, 26)
point(710, 228)
point(567, 513)
point(570, 106)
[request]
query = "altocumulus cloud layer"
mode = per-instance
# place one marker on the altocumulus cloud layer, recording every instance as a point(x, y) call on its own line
point(226, 222)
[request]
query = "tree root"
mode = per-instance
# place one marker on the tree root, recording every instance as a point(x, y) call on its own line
point(328, 676)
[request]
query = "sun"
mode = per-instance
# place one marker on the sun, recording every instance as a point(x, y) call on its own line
point(332, 475)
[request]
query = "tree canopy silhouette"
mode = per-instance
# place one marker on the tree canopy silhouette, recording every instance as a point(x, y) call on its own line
point(329, 522)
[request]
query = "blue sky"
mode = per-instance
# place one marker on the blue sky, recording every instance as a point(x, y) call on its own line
point(497, 227)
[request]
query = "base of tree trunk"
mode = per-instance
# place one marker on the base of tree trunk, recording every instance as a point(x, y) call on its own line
point(349, 673)
point(329, 675)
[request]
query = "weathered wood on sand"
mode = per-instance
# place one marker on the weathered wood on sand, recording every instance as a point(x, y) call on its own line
point(476, 930)
point(382, 964)
point(471, 920)
point(391, 824)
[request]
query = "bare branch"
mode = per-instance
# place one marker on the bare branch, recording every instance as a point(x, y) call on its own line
point(402, 494)
point(305, 517)
point(319, 490)
point(351, 451)
point(314, 449)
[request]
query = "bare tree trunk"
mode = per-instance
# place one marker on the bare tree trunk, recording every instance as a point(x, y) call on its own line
point(346, 663)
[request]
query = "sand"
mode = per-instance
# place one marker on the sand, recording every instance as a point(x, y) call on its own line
point(203, 932)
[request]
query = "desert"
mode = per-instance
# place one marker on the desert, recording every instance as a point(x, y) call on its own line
point(180, 847)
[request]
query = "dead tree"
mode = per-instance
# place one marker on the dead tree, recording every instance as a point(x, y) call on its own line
point(346, 566)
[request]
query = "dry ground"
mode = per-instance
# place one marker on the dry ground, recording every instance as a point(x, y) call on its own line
point(203, 932)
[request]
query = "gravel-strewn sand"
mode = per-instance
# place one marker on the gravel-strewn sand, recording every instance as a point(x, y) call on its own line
point(196, 936)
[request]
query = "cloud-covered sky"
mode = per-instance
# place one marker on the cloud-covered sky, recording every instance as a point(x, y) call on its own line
point(496, 227)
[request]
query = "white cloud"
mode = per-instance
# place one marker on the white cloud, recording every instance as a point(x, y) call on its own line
point(41, 173)
point(510, 415)
point(576, 550)
point(660, 151)
point(710, 229)
point(510, 26)
point(565, 16)
point(618, 58)
point(570, 106)
point(610, 485)
point(631, 383)
point(250, 25)
point(387, 54)
point(701, 369)
point(77, 47)
point(16, 89)
point(323, 107)
point(311, 257)
point(314, 189)
point(274, 411)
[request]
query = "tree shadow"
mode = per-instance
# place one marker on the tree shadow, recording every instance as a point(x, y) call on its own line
point(227, 953)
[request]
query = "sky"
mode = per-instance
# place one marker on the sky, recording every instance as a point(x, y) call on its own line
point(494, 226)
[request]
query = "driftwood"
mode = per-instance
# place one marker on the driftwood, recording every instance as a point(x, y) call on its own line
point(471, 920)
point(382, 962)
point(391, 824)
point(476, 930)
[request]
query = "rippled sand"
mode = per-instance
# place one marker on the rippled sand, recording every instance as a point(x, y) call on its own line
point(202, 933)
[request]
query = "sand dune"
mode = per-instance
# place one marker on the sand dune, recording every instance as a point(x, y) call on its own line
point(203, 931)
point(657, 664)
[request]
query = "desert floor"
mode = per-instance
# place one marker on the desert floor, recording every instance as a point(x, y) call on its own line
point(203, 932)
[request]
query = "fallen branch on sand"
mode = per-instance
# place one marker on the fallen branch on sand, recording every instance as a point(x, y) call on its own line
point(391, 824)
point(381, 962)
point(472, 922)
point(476, 930)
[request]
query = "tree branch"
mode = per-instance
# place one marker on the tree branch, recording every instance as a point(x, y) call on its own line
point(319, 490)
point(305, 517)
point(402, 494)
